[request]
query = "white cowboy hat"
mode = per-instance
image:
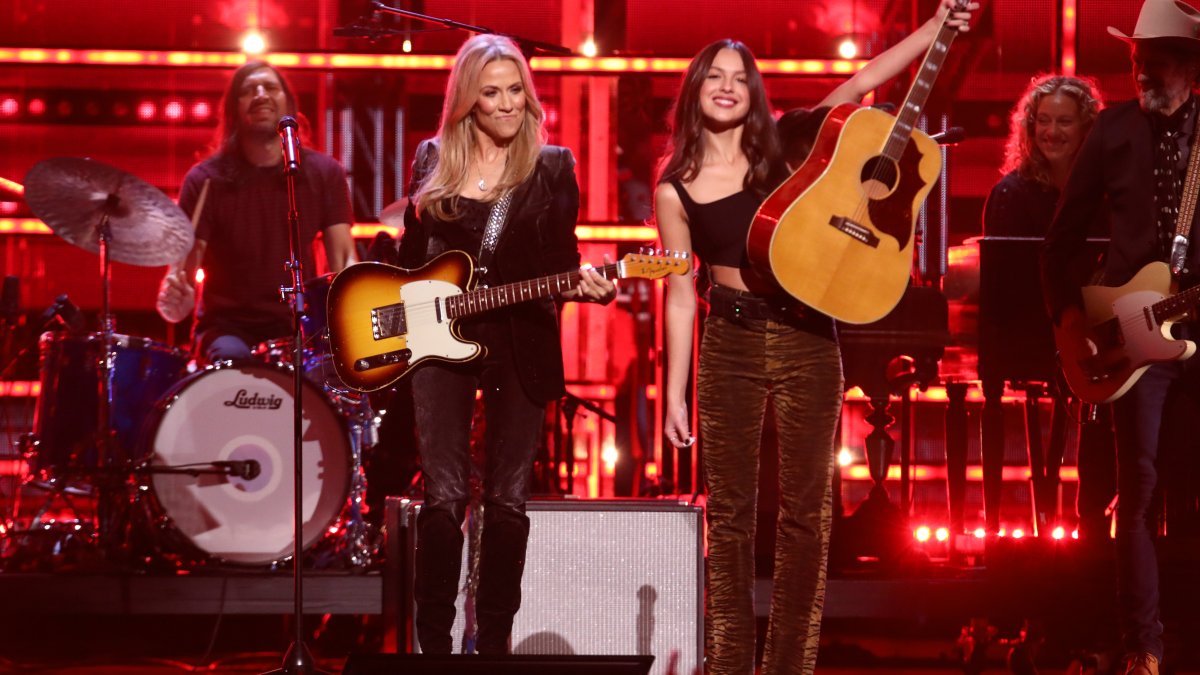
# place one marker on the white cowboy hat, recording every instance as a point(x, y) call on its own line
point(1172, 20)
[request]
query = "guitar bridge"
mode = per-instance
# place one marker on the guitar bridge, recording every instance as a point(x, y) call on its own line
point(384, 359)
point(388, 321)
point(855, 230)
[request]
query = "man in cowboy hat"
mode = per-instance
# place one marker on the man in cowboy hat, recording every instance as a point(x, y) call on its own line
point(1134, 163)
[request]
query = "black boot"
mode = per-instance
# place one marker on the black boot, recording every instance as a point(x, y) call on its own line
point(502, 562)
point(438, 565)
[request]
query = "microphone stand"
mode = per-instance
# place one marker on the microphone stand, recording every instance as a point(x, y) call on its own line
point(297, 660)
point(374, 30)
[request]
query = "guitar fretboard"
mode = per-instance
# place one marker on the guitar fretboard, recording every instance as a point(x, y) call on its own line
point(918, 92)
point(485, 299)
point(1175, 306)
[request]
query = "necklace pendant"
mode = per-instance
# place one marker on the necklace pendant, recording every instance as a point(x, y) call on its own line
point(481, 185)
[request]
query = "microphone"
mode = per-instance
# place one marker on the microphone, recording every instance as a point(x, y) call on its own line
point(951, 136)
point(290, 136)
point(246, 469)
point(66, 313)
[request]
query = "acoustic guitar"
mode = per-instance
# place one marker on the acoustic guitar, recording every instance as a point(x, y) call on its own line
point(838, 234)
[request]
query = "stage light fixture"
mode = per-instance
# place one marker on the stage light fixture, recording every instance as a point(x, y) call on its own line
point(942, 534)
point(146, 110)
point(406, 46)
point(1059, 532)
point(980, 533)
point(845, 458)
point(201, 111)
point(922, 533)
point(847, 49)
point(173, 110)
point(1018, 533)
point(9, 107)
point(253, 43)
point(588, 48)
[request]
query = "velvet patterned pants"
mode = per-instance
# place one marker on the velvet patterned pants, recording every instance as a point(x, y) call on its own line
point(744, 366)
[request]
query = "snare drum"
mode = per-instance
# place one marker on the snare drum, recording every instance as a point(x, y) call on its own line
point(65, 421)
point(244, 413)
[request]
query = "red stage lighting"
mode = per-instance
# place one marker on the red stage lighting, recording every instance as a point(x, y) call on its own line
point(146, 110)
point(201, 111)
point(63, 108)
point(9, 107)
point(173, 110)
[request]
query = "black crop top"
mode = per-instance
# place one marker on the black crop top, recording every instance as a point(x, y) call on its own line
point(719, 228)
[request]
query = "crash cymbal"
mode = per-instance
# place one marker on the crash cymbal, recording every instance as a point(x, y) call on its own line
point(392, 215)
point(71, 195)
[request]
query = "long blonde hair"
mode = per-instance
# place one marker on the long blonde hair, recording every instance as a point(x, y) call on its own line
point(1021, 153)
point(456, 135)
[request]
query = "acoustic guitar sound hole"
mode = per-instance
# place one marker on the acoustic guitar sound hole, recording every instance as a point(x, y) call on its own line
point(879, 176)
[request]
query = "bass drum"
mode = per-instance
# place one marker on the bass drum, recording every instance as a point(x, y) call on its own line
point(244, 414)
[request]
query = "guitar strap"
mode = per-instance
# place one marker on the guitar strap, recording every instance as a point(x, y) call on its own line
point(1187, 207)
point(491, 234)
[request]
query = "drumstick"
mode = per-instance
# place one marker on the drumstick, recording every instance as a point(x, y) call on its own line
point(195, 221)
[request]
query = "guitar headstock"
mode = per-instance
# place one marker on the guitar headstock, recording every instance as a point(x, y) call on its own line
point(655, 264)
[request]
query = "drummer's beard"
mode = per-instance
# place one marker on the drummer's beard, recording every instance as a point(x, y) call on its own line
point(259, 131)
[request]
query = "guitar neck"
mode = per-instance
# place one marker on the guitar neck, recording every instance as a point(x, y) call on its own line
point(918, 92)
point(495, 297)
point(1176, 305)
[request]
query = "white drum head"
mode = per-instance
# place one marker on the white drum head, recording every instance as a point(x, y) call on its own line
point(242, 413)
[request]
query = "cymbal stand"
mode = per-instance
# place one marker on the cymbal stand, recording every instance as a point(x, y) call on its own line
point(106, 511)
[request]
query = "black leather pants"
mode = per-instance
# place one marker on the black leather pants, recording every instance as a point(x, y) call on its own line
point(444, 402)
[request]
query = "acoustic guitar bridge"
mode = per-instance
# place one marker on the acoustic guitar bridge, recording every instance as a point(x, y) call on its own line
point(855, 230)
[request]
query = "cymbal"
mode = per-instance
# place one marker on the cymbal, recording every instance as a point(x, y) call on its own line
point(71, 195)
point(392, 215)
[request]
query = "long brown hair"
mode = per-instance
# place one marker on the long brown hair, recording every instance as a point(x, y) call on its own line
point(225, 141)
point(760, 139)
point(1021, 153)
point(456, 135)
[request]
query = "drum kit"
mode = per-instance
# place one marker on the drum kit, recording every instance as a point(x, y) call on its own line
point(187, 467)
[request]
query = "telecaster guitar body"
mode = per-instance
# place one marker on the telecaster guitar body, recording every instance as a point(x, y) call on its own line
point(1128, 330)
point(360, 290)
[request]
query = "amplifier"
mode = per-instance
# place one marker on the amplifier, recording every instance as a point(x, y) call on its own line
point(602, 577)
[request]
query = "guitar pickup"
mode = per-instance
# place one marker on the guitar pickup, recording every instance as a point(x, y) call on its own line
point(384, 359)
point(855, 230)
point(388, 321)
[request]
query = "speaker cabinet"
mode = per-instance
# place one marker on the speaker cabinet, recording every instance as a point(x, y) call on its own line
point(602, 577)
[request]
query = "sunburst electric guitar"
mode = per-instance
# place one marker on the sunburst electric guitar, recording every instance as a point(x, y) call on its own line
point(384, 320)
point(838, 234)
point(1128, 330)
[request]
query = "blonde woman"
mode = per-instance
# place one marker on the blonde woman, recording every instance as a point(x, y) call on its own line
point(1049, 123)
point(490, 148)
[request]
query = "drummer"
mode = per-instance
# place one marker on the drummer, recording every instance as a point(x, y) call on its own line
point(237, 199)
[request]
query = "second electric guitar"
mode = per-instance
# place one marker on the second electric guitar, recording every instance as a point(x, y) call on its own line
point(383, 320)
point(1128, 330)
point(838, 234)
